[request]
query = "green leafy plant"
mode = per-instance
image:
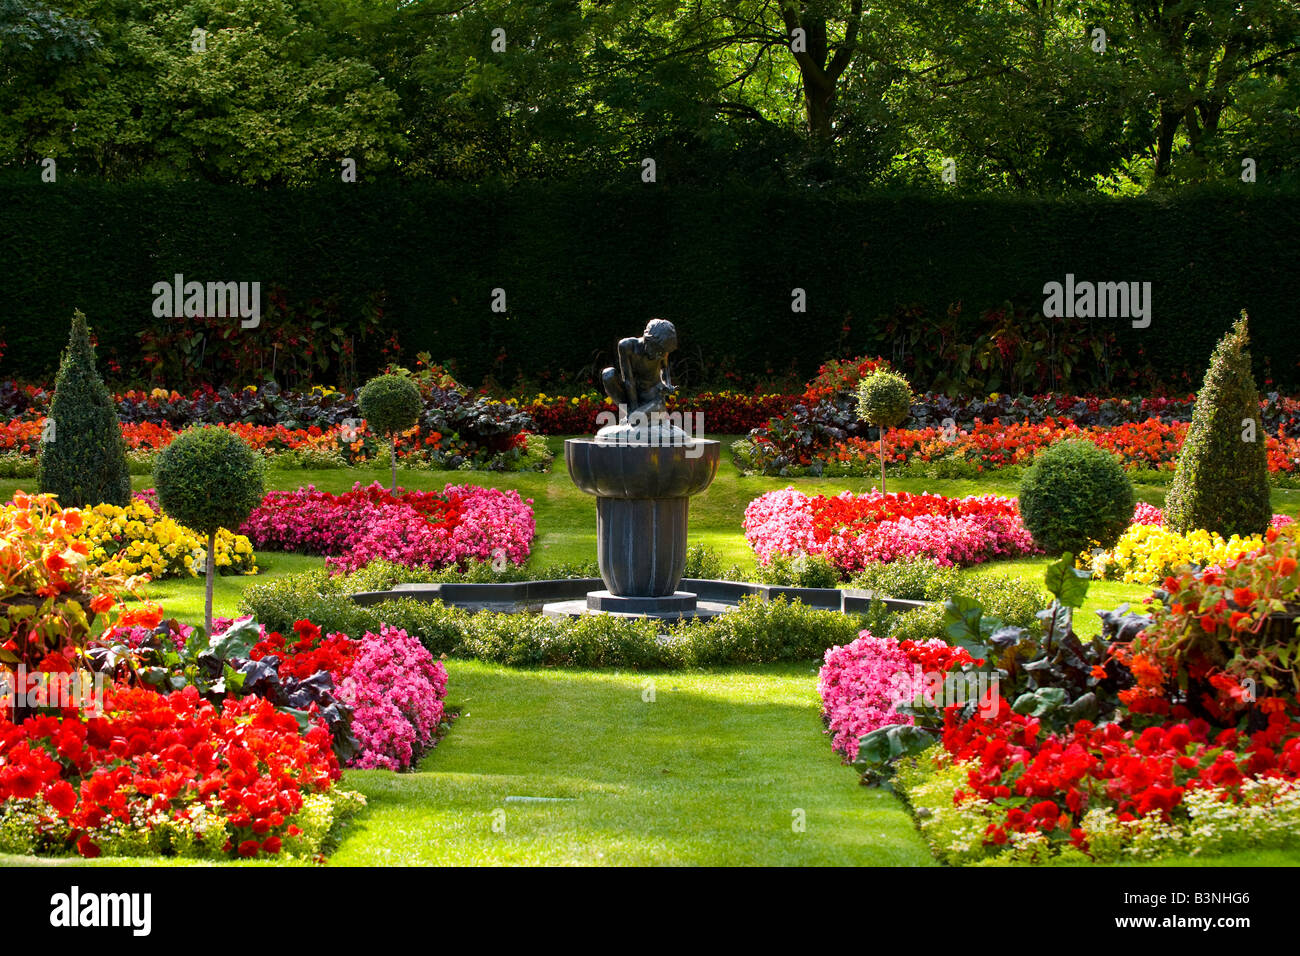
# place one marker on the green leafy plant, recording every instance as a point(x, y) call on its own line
point(884, 400)
point(799, 571)
point(390, 404)
point(82, 457)
point(1076, 496)
point(208, 479)
point(1221, 481)
point(1045, 670)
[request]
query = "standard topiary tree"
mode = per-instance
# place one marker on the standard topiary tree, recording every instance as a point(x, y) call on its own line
point(1075, 494)
point(390, 404)
point(884, 400)
point(1221, 483)
point(82, 456)
point(208, 479)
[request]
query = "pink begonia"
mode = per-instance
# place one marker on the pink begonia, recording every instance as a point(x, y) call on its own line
point(858, 684)
point(396, 690)
point(782, 523)
point(491, 524)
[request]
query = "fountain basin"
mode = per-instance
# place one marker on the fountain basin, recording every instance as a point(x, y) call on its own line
point(642, 493)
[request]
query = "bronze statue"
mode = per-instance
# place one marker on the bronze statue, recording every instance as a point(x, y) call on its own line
point(640, 381)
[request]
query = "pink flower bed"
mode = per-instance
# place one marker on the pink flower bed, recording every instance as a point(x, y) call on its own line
point(861, 683)
point(855, 530)
point(396, 690)
point(413, 528)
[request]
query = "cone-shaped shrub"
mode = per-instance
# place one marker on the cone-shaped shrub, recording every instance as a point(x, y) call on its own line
point(82, 457)
point(1221, 483)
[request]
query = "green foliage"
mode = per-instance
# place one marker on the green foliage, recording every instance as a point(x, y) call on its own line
point(756, 632)
point(1221, 482)
point(799, 571)
point(884, 399)
point(390, 404)
point(911, 580)
point(1076, 496)
point(561, 233)
point(208, 479)
point(703, 563)
point(83, 459)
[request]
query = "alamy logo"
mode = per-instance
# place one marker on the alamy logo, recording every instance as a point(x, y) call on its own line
point(181, 299)
point(74, 909)
point(1098, 300)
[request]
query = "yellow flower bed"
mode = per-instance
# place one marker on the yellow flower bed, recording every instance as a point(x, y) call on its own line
point(135, 540)
point(1147, 553)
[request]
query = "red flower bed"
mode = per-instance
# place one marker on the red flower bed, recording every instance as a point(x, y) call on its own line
point(154, 756)
point(1056, 778)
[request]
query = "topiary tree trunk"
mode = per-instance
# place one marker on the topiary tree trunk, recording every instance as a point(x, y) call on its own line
point(393, 449)
point(1221, 482)
point(82, 456)
point(210, 572)
point(883, 489)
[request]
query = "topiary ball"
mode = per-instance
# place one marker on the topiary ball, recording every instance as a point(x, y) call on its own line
point(390, 404)
point(207, 479)
point(884, 399)
point(1076, 496)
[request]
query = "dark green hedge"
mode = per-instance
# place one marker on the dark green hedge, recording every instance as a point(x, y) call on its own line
point(582, 267)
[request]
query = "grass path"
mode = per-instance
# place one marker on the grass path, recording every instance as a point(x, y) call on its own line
point(711, 772)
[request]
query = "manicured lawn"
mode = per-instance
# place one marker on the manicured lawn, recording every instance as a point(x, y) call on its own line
point(701, 775)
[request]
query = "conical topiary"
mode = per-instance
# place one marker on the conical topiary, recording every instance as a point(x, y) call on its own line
point(1221, 484)
point(82, 457)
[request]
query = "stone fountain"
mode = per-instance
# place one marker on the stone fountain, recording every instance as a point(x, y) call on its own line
point(642, 467)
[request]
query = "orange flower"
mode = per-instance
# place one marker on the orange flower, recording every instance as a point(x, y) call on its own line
point(147, 615)
point(101, 603)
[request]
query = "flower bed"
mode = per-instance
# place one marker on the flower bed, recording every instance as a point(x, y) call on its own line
point(860, 683)
point(392, 683)
point(148, 738)
point(1151, 445)
point(1148, 552)
point(412, 528)
point(168, 774)
point(138, 539)
point(852, 531)
point(723, 413)
point(1179, 734)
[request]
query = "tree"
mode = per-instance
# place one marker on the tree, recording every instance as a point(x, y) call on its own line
point(390, 404)
point(884, 400)
point(208, 479)
point(1221, 481)
point(82, 457)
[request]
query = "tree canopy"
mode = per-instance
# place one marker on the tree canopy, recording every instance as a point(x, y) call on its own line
point(1046, 95)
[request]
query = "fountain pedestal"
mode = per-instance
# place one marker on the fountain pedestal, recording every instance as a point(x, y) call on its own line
point(643, 491)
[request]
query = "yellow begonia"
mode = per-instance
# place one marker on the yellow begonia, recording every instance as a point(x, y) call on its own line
point(1147, 554)
point(135, 540)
